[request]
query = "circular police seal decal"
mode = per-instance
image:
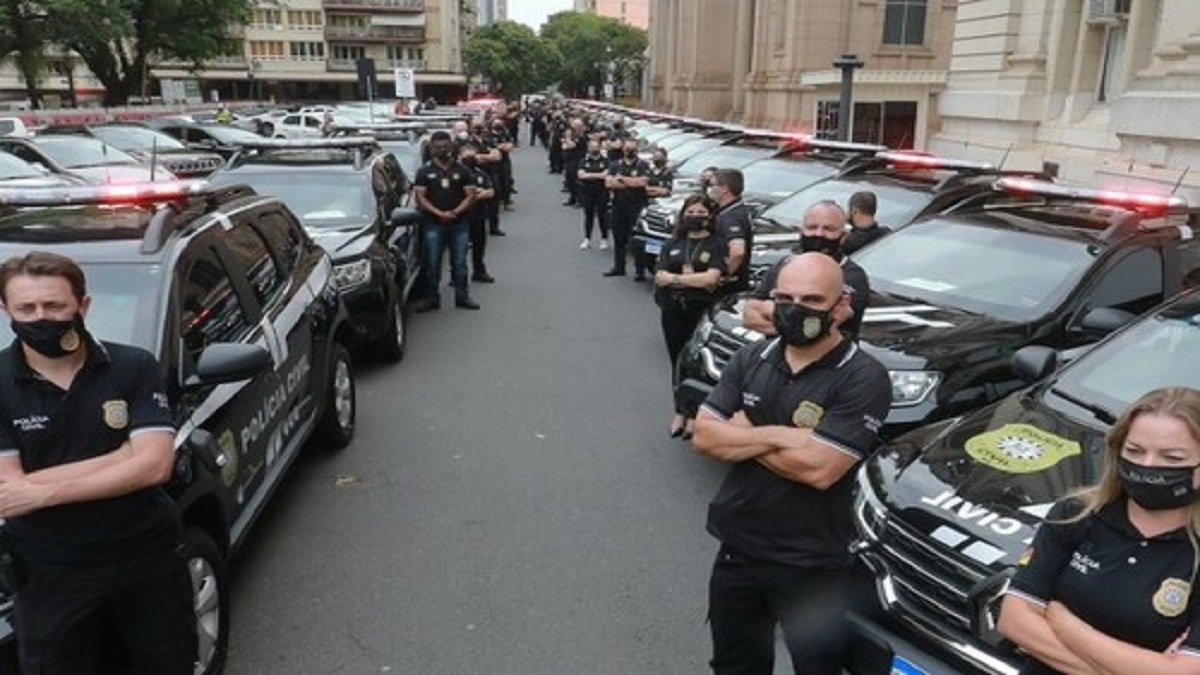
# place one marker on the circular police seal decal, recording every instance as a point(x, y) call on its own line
point(1020, 448)
point(116, 414)
point(1171, 599)
point(70, 341)
point(705, 257)
point(808, 415)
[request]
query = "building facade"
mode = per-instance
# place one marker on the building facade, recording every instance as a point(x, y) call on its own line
point(310, 50)
point(770, 63)
point(491, 11)
point(1103, 92)
point(633, 12)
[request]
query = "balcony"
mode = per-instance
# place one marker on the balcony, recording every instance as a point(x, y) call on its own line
point(375, 33)
point(342, 65)
point(215, 63)
point(377, 6)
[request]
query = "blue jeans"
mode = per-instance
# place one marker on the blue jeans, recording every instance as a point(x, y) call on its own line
point(438, 237)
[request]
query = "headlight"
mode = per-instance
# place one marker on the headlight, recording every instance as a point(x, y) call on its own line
point(872, 513)
point(910, 387)
point(351, 274)
point(703, 330)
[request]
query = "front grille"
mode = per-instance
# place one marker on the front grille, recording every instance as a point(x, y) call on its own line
point(192, 167)
point(723, 346)
point(657, 222)
point(929, 582)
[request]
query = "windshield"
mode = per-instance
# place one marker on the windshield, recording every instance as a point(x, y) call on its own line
point(231, 135)
point(1009, 274)
point(897, 206)
point(675, 140)
point(688, 150)
point(653, 132)
point(723, 157)
point(12, 167)
point(136, 139)
point(1159, 351)
point(125, 303)
point(779, 178)
point(319, 199)
point(76, 152)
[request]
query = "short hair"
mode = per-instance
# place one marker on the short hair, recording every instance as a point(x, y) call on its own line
point(732, 179)
point(43, 264)
point(439, 135)
point(864, 202)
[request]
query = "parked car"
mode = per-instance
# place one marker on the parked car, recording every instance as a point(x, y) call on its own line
point(15, 172)
point(150, 146)
point(299, 125)
point(225, 288)
point(91, 159)
point(223, 139)
point(945, 512)
point(953, 295)
point(346, 192)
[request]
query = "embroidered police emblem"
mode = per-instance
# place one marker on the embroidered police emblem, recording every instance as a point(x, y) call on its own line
point(1171, 599)
point(116, 414)
point(811, 326)
point(70, 341)
point(229, 470)
point(445, 183)
point(808, 415)
point(705, 257)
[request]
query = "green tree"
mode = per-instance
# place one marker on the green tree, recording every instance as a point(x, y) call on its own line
point(119, 39)
point(512, 57)
point(22, 37)
point(592, 44)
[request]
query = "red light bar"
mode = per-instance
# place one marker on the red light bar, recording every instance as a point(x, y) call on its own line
point(127, 193)
point(931, 161)
point(1127, 200)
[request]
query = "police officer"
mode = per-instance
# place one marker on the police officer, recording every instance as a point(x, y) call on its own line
point(86, 441)
point(735, 221)
point(593, 170)
point(477, 213)
point(1109, 582)
point(557, 129)
point(444, 190)
point(822, 231)
point(574, 145)
point(793, 416)
point(864, 229)
point(490, 158)
point(658, 185)
point(627, 180)
point(501, 140)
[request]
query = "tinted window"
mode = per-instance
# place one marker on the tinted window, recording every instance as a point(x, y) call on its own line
point(13, 167)
point(897, 206)
point(779, 178)
point(210, 309)
point(1133, 284)
point(724, 157)
point(284, 237)
point(253, 259)
point(77, 151)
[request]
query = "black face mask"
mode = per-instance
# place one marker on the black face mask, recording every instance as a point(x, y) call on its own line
point(630, 154)
point(469, 160)
point(660, 163)
point(830, 247)
point(800, 326)
point(443, 154)
point(50, 338)
point(1156, 488)
point(694, 223)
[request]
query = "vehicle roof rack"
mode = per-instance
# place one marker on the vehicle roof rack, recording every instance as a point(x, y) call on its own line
point(359, 147)
point(804, 143)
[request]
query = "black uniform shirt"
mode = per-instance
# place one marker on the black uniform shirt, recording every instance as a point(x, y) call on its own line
point(736, 221)
point(445, 188)
point(701, 254)
point(629, 197)
point(662, 177)
point(859, 237)
point(843, 398)
point(1130, 587)
point(854, 278)
point(482, 181)
point(117, 394)
point(593, 164)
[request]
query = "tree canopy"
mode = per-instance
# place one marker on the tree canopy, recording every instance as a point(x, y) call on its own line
point(589, 44)
point(512, 57)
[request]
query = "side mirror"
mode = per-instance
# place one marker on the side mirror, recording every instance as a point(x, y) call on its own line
point(1034, 362)
point(223, 362)
point(1105, 319)
point(402, 216)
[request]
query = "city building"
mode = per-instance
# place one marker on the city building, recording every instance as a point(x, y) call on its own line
point(308, 50)
point(1103, 92)
point(770, 63)
point(633, 12)
point(491, 11)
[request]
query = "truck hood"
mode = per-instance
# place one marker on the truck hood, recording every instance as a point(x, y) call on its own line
point(344, 242)
point(981, 484)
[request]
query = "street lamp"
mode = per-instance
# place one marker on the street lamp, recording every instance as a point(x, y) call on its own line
point(608, 73)
point(848, 64)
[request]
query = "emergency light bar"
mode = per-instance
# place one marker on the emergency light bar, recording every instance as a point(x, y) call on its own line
point(344, 142)
point(804, 140)
point(1126, 200)
point(932, 161)
point(128, 193)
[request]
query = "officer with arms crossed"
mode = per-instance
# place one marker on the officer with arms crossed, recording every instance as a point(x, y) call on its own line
point(793, 416)
point(1108, 585)
point(821, 232)
point(86, 439)
point(627, 179)
point(445, 190)
point(735, 222)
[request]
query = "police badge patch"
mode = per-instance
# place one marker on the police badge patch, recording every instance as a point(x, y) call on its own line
point(705, 257)
point(1171, 599)
point(808, 415)
point(70, 341)
point(116, 414)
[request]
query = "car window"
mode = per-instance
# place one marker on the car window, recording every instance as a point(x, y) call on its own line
point(723, 156)
point(312, 122)
point(210, 308)
point(136, 138)
point(254, 259)
point(780, 178)
point(291, 119)
point(14, 167)
point(671, 142)
point(897, 206)
point(284, 237)
point(1010, 274)
point(78, 152)
point(1189, 263)
point(1134, 283)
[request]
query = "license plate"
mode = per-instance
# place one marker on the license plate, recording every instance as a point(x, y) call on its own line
point(901, 666)
point(652, 247)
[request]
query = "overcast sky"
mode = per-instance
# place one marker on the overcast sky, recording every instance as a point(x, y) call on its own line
point(533, 13)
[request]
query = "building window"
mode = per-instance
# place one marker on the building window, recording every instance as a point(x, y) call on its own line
point(890, 123)
point(266, 49)
point(307, 51)
point(304, 19)
point(347, 52)
point(410, 55)
point(904, 22)
point(349, 20)
point(827, 119)
point(269, 19)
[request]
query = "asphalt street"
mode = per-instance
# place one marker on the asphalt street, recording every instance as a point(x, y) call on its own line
point(511, 504)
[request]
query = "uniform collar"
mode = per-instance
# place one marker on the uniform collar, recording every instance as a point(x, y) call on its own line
point(835, 358)
point(96, 355)
point(1116, 515)
point(730, 205)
